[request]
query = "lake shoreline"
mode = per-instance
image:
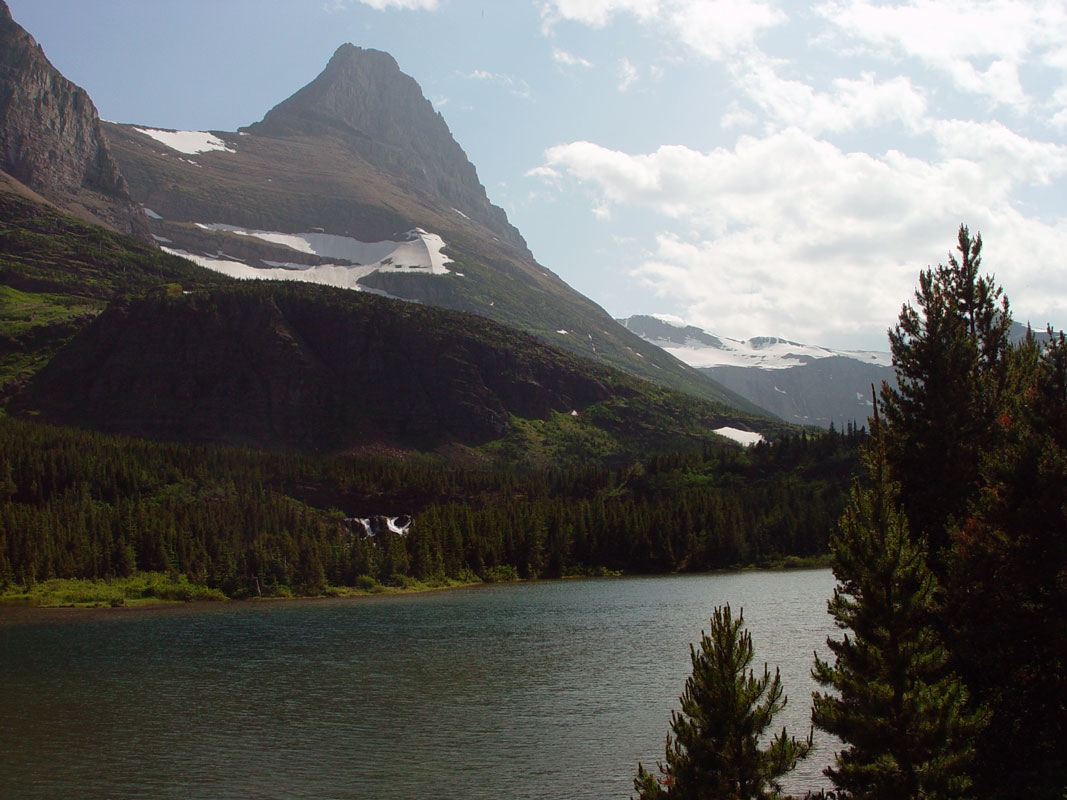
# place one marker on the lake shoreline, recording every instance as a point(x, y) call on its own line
point(63, 606)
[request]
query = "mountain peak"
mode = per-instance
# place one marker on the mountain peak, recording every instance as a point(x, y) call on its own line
point(349, 53)
point(363, 98)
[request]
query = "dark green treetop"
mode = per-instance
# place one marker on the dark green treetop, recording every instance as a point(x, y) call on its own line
point(948, 352)
point(715, 752)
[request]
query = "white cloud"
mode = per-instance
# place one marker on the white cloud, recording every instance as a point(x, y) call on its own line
point(1058, 104)
point(566, 59)
point(851, 103)
point(793, 236)
point(737, 117)
point(382, 5)
point(713, 28)
point(788, 232)
point(517, 87)
point(1005, 155)
point(596, 13)
point(627, 74)
point(979, 44)
point(716, 29)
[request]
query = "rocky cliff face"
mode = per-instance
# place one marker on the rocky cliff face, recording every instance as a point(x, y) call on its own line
point(363, 97)
point(51, 139)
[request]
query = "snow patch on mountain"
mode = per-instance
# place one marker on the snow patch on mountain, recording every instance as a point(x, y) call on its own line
point(188, 142)
point(700, 349)
point(417, 250)
point(344, 277)
point(741, 437)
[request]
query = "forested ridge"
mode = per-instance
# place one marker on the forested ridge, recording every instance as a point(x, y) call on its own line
point(92, 505)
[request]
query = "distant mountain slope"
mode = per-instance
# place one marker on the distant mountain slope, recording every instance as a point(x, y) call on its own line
point(359, 153)
point(802, 384)
point(835, 390)
point(51, 139)
point(290, 365)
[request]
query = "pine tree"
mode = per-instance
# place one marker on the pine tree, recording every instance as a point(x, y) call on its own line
point(1007, 597)
point(715, 752)
point(948, 354)
point(902, 712)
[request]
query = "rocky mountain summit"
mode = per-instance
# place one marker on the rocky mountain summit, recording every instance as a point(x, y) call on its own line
point(51, 138)
point(364, 98)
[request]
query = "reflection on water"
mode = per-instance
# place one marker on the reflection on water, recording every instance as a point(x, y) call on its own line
point(544, 690)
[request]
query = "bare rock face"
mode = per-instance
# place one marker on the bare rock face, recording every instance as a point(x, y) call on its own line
point(51, 139)
point(364, 98)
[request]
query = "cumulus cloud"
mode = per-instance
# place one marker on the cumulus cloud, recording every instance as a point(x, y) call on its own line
point(717, 29)
point(979, 45)
point(794, 236)
point(713, 28)
point(850, 104)
point(791, 231)
point(596, 13)
point(1006, 156)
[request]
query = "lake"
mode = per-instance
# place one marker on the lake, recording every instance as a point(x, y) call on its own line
point(551, 690)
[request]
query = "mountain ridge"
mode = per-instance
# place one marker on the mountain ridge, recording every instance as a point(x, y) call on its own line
point(312, 166)
point(51, 138)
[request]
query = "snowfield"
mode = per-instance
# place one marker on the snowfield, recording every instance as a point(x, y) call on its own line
point(419, 251)
point(740, 436)
point(766, 352)
point(188, 142)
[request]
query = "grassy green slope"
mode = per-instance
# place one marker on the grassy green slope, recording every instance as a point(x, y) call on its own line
point(57, 273)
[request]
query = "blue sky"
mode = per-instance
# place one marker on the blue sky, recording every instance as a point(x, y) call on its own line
point(754, 167)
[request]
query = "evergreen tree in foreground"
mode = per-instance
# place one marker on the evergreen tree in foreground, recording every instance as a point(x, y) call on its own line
point(902, 712)
point(1006, 593)
point(949, 354)
point(715, 752)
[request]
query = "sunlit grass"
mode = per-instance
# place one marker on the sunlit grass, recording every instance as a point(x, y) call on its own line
point(137, 589)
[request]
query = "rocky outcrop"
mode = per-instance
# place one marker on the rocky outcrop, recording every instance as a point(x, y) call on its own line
point(51, 139)
point(364, 98)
